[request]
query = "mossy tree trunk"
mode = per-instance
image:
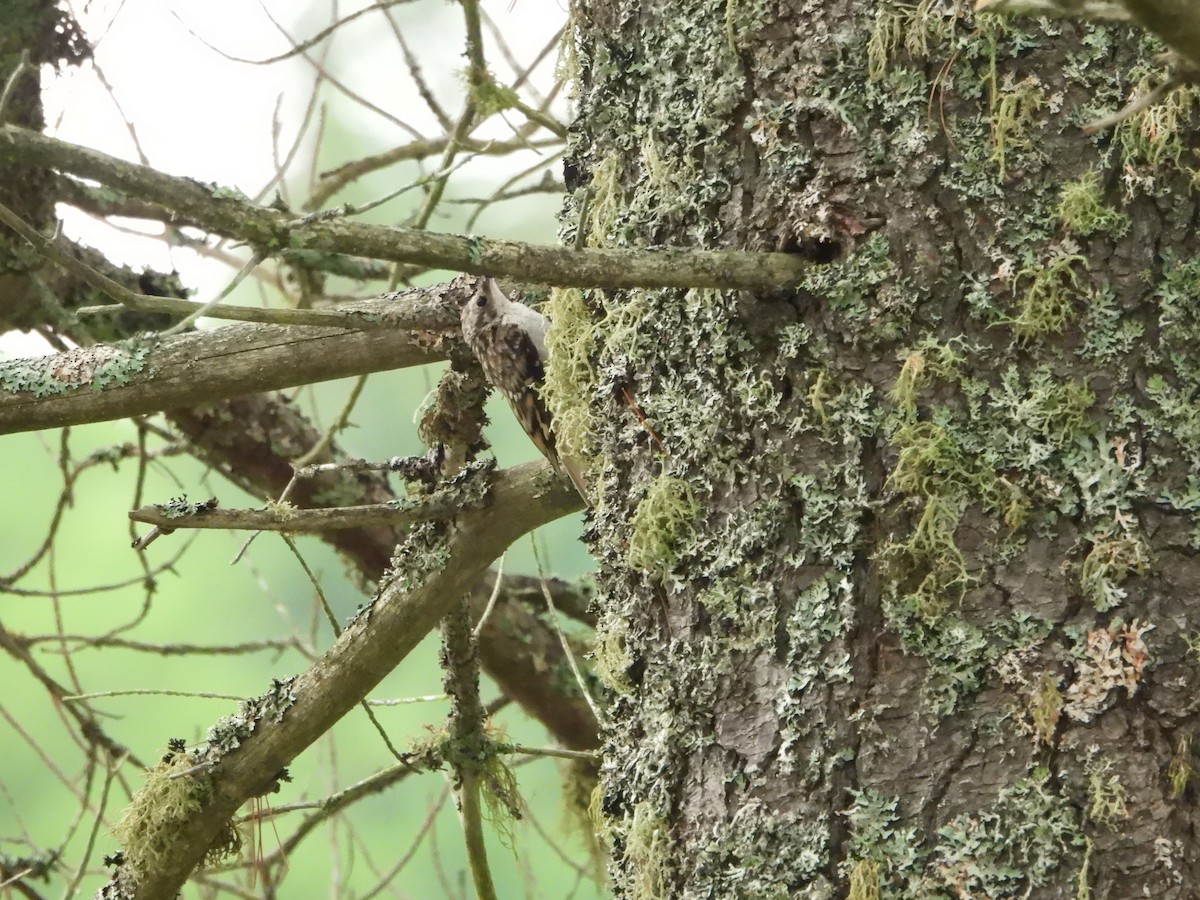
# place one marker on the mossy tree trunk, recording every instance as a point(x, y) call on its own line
point(897, 571)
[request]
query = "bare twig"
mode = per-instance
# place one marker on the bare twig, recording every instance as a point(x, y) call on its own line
point(219, 210)
point(302, 521)
point(184, 370)
point(1145, 101)
point(22, 69)
point(1084, 9)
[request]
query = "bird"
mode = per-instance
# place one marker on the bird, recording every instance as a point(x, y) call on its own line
point(509, 340)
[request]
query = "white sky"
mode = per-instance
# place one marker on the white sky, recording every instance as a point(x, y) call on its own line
point(197, 114)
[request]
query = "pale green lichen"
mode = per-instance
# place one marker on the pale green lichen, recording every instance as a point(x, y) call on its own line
point(97, 366)
point(866, 289)
point(1106, 794)
point(1008, 849)
point(894, 851)
point(1020, 440)
point(150, 825)
point(660, 524)
point(793, 849)
point(1111, 560)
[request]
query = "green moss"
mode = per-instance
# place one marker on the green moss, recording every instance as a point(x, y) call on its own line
point(1082, 211)
point(930, 461)
point(1048, 291)
point(1180, 770)
point(951, 459)
point(1106, 794)
point(911, 26)
point(1015, 108)
point(916, 371)
point(624, 326)
point(1083, 890)
point(932, 360)
point(606, 202)
point(660, 525)
point(498, 785)
point(648, 849)
point(928, 569)
point(612, 658)
point(491, 97)
point(864, 881)
point(1045, 708)
point(1154, 139)
point(570, 378)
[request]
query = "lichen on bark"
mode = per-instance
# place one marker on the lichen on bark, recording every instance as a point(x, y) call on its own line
point(972, 368)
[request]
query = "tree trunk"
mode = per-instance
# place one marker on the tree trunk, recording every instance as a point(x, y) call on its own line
point(896, 570)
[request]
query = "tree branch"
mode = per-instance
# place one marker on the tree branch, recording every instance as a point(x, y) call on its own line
point(95, 384)
point(398, 514)
point(227, 212)
point(517, 648)
point(1175, 22)
point(521, 499)
point(1110, 10)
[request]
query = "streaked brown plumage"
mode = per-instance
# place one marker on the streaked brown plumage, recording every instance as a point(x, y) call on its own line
point(509, 339)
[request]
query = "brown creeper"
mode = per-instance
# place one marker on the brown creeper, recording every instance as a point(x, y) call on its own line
point(509, 339)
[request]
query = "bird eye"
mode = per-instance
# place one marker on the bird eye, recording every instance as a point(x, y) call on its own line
point(481, 300)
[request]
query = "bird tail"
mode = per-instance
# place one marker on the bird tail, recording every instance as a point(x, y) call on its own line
point(575, 472)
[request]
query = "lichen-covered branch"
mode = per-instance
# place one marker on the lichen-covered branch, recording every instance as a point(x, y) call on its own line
point(227, 212)
point(102, 382)
point(301, 521)
point(516, 647)
point(1111, 10)
point(1175, 22)
point(406, 608)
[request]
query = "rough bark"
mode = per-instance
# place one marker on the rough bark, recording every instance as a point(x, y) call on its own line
point(878, 568)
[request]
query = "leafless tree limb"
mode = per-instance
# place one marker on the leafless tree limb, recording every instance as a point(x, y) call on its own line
point(404, 611)
point(95, 384)
point(223, 211)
